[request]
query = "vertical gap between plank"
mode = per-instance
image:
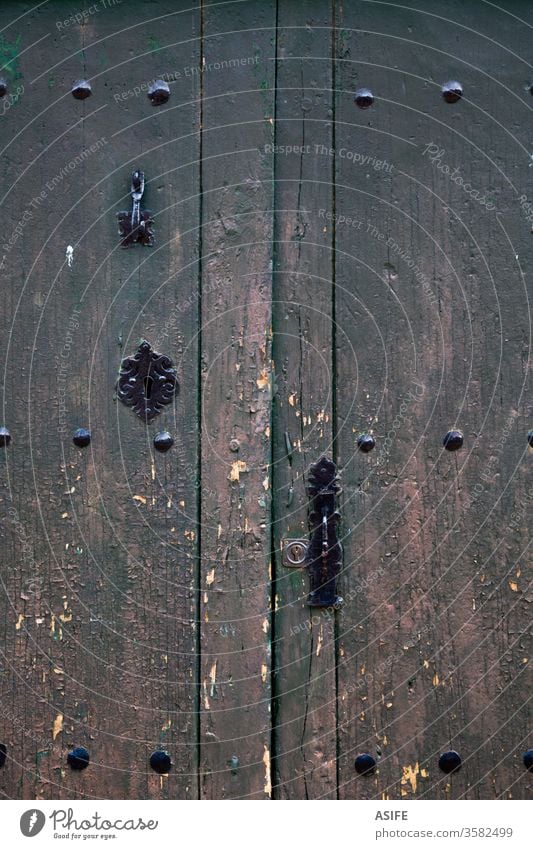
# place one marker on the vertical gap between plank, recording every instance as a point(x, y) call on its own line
point(198, 583)
point(273, 553)
point(334, 351)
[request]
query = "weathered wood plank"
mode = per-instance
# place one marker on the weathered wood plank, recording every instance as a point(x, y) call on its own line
point(236, 260)
point(304, 638)
point(433, 644)
point(114, 652)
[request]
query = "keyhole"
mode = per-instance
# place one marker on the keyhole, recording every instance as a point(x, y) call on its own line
point(148, 381)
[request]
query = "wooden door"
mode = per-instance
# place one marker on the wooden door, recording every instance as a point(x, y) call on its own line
point(323, 267)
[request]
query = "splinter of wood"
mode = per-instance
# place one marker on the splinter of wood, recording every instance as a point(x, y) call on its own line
point(136, 226)
point(324, 554)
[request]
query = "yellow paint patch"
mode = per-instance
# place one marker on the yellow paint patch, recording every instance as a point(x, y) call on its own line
point(263, 672)
point(20, 620)
point(409, 775)
point(435, 680)
point(58, 726)
point(210, 577)
point(166, 725)
point(265, 626)
point(265, 484)
point(263, 380)
point(140, 498)
point(513, 586)
point(268, 780)
point(237, 469)
point(292, 400)
point(319, 641)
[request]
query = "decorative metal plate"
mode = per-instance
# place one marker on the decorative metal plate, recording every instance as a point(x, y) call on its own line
point(324, 554)
point(147, 382)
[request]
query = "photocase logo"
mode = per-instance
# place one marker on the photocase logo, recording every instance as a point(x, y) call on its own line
point(32, 822)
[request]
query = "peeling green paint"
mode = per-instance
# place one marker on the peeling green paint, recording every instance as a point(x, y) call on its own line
point(153, 43)
point(9, 57)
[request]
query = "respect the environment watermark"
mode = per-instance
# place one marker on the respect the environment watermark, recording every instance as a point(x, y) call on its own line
point(187, 72)
point(37, 201)
point(394, 247)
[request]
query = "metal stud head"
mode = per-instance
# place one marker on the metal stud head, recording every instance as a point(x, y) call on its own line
point(450, 762)
point(363, 98)
point(528, 759)
point(159, 92)
point(5, 437)
point(160, 762)
point(453, 440)
point(452, 91)
point(366, 443)
point(365, 764)
point(78, 759)
point(163, 441)
point(3, 87)
point(81, 89)
point(82, 437)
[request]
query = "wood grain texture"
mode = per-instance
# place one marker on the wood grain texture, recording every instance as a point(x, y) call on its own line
point(304, 638)
point(375, 279)
point(110, 630)
point(431, 296)
point(236, 400)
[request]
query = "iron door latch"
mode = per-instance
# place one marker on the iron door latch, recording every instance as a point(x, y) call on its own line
point(136, 226)
point(321, 554)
